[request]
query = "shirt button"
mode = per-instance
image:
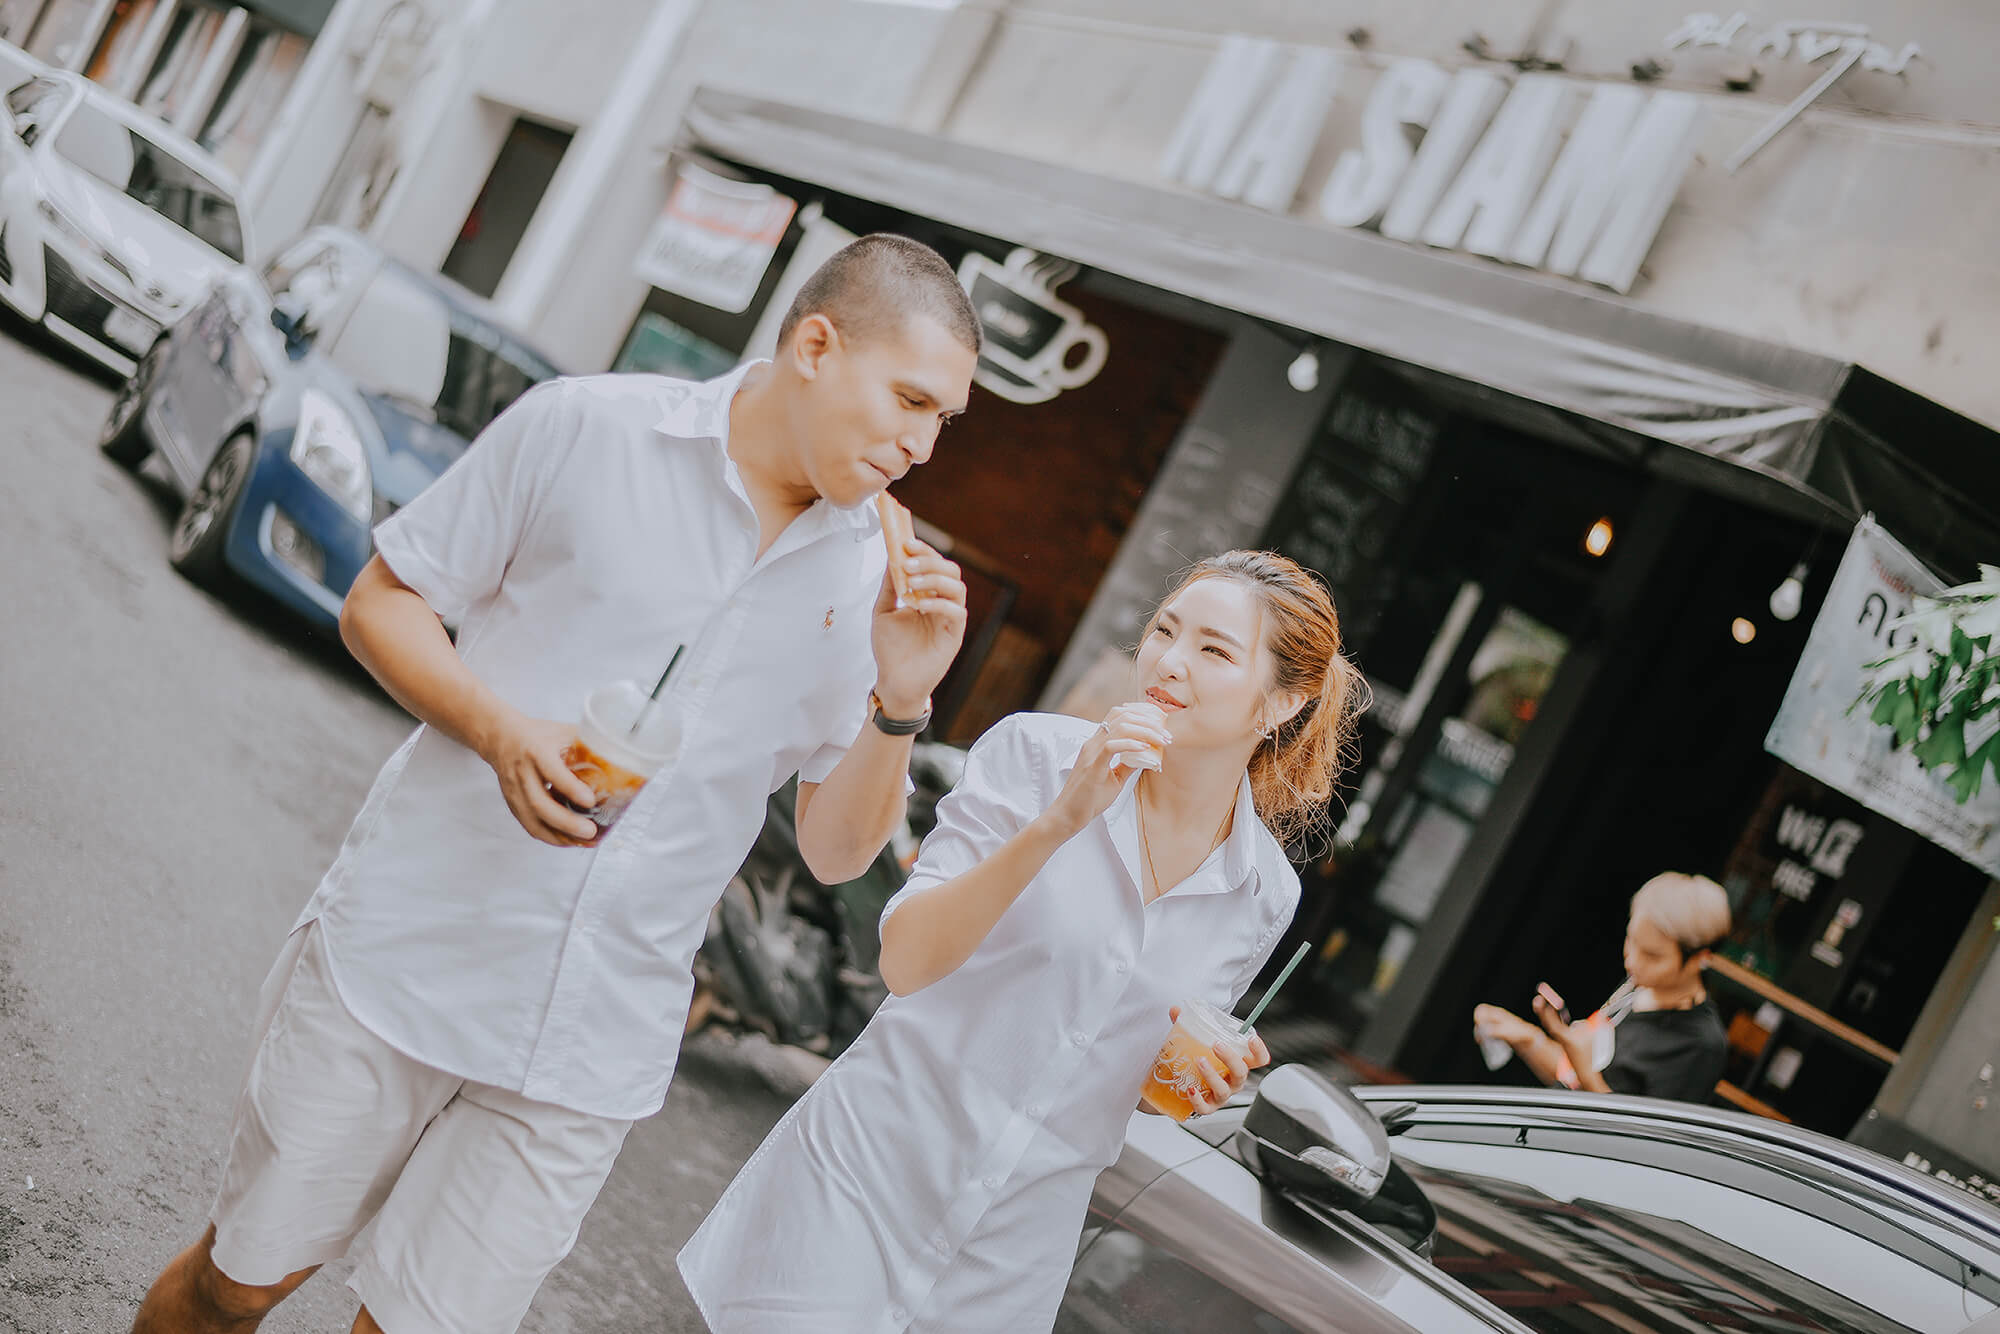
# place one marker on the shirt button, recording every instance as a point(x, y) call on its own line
point(1079, 1039)
point(1123, 967)
point(993, 1183)
point(899, 1316)
point(941, 1247)
point(1036, 1111)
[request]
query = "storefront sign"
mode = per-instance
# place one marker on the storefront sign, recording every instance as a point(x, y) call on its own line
point(1519, 172)
point(1805, 42)
point(1818, 732)
point(1032, 336)
point(714, 239)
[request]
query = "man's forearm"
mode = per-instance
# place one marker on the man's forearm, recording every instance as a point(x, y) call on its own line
point(394, 633)
point(851, 815)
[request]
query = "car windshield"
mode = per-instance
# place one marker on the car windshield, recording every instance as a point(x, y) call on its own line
point(127, 160)
point(1621, 1240)
point(404, 342)
point(482, 376)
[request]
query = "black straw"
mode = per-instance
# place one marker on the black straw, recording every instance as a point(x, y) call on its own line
point(658, 686)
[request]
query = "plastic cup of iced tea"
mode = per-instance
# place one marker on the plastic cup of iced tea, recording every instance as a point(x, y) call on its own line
point(1176, 1075)
point(615, 757)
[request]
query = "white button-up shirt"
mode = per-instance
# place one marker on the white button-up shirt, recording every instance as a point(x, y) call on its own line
point(937, 1175)
point(595, 525)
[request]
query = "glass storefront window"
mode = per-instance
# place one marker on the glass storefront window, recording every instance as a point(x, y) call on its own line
point(251, 94)
point(66, 32)
point(1455, 552)
point(121, 48)
point(193, 34)
point(17, 18)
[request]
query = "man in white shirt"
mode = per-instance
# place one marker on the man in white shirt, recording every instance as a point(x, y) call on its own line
point(474, 1007)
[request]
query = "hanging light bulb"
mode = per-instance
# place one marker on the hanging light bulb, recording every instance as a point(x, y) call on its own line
point(1742, 630)
point(1303, 373)
point(1789, 596)
point(1598, 540)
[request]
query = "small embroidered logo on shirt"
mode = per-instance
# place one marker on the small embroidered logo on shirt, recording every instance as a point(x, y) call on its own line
point(827, 624)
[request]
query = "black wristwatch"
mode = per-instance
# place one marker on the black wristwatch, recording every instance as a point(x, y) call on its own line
point(898, 726)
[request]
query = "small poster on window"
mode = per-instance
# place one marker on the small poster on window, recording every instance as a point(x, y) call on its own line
point(1819, 731)
point(714, 239)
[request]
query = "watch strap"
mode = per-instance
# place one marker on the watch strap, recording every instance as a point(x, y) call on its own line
point(897, 726)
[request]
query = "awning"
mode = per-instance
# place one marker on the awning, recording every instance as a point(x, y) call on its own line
point(1801, 431)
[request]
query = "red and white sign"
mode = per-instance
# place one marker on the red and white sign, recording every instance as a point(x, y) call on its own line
point(714, 239)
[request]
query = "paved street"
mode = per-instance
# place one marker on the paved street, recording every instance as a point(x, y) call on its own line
point(177, 773)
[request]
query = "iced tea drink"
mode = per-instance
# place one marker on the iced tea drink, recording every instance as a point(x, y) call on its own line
point(1176, 1074)
point(615, 758)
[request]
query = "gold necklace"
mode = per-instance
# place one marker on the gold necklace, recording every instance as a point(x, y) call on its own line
point(1146, 844)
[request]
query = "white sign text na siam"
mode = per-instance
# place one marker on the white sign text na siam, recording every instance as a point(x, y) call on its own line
point(1544, 171)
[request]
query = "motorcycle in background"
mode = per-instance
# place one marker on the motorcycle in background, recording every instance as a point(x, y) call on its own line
point(797, 960)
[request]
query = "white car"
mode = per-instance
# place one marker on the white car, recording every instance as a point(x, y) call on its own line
point(110, 223)
point(17, 67)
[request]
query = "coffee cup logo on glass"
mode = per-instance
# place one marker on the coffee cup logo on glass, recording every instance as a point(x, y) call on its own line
point(625, 737)
point(1176, 1077)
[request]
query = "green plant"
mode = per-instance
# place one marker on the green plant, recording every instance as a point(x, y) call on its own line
point(1943, 682)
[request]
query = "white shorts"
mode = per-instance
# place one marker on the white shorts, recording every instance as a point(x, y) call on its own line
point(457, 1198)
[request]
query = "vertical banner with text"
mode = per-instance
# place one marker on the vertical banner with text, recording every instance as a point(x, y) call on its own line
point(1818, 733)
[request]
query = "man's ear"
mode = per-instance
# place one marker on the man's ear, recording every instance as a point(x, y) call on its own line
point(812, 341)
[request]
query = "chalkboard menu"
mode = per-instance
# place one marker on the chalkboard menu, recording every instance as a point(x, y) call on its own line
point(1353, 487)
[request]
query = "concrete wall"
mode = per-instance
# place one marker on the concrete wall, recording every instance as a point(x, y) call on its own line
point(860, 59)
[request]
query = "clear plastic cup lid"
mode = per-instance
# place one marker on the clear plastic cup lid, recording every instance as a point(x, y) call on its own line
point(607, 726)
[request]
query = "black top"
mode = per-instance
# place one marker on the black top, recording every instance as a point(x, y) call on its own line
point(1676, 1054)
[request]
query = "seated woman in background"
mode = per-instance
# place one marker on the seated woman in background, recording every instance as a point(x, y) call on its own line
point(1658, 1035)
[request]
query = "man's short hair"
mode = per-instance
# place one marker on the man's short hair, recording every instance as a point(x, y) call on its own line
point(874, 285)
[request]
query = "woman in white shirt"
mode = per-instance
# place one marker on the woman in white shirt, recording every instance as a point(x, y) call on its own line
point(1081, 883)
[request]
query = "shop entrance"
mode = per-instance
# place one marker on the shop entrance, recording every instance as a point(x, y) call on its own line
point(1643, 698)
point(499, 218)
point(1465, 560)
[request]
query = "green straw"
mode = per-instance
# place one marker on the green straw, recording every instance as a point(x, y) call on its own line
point(1297, 958)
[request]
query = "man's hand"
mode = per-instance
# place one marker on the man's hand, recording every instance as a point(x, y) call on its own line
point(526, 755)
point(914, 646)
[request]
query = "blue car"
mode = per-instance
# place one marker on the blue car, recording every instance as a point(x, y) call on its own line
point(297, 412)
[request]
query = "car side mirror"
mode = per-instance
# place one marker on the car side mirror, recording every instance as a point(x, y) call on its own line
point(1308, 1134)
point(292, 324)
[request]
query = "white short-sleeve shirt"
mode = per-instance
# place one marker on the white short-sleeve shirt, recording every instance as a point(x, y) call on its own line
point(958, 1138)
point(595, 525)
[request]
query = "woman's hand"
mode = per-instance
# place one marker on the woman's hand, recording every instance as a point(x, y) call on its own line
point(1510, 1028)
point(1224, 1072)
point(1131, 737)
point(1552, 1021)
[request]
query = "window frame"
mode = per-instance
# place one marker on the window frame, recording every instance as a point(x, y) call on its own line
point(1803, 1186)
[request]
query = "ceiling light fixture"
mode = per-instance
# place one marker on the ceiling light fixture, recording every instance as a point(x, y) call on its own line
point(1303, 373)
point(1598, 540)
point(1789, 596)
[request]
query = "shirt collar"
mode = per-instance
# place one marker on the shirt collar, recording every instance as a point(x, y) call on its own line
point(1243, 852)
point(700, 411)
